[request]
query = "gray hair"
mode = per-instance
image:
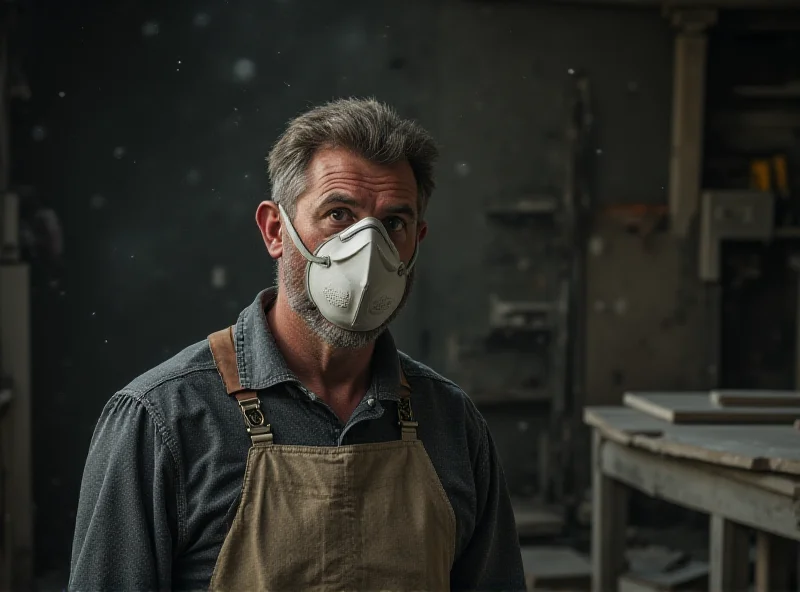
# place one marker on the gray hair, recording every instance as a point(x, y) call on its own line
point(371, 129)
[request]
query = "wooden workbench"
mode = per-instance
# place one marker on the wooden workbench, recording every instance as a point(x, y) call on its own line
point(745, 477)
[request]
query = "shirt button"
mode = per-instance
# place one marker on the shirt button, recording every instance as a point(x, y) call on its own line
point(371, 402)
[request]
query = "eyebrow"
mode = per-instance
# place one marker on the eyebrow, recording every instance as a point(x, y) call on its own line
point(404, 209)
point(338, 198)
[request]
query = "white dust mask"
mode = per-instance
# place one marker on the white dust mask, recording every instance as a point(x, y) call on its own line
point(355, 278)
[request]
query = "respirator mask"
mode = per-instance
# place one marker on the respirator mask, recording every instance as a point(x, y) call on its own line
point(355, 278)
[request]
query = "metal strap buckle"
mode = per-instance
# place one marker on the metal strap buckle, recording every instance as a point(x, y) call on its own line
point(257, 427)
point(404, 410)
point(408, 427)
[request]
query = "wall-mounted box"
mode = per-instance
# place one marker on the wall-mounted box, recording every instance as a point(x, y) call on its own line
point(732, 215)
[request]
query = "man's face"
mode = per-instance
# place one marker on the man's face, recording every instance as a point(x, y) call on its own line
point(343, 188)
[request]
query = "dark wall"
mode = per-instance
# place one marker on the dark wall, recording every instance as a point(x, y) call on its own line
point(504, 74)
point(153, 159)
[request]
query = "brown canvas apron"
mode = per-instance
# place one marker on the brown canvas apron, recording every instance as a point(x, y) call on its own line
point(363, 517)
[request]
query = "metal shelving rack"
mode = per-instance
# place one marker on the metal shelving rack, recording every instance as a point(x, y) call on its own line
point(545, 331)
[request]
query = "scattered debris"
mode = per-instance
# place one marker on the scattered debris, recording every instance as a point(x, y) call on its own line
point(556, 568)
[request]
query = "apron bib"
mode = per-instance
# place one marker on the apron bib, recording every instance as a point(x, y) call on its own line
point(362, 517)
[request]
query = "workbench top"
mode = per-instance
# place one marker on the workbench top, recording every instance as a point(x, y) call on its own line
point(765, 448)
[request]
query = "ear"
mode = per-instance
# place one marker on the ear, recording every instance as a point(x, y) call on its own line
point(422, 231)
point(268, 218)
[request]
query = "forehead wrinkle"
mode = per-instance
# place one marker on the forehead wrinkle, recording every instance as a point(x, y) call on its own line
point(363, 183)
point(381, 182)
point(337, 197)
point(366, 190)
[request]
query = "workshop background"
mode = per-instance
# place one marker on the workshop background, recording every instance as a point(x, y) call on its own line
point(566, 261)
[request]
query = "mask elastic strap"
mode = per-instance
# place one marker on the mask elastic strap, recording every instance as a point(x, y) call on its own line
point(412, 261)
point(326, 261)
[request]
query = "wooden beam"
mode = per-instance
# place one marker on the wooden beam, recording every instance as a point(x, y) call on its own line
point(16, 364)
point(609, 523)
point(774, 559)
point(698, 408)
point(688, 110)
point(692, 485)
point(756, 398)
point(729, 557)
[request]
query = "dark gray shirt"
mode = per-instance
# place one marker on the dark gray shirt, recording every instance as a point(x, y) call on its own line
point(167, 460)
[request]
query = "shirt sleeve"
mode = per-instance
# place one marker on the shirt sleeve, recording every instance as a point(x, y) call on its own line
point(126, 524)
point(492, 559)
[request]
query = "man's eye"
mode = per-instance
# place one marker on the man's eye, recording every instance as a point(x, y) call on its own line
point(394, 224)
point(339, 215)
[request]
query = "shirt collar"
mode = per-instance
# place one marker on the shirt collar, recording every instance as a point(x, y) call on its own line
point(261, 364)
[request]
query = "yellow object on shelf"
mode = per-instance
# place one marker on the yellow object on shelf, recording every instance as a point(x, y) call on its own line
point(770, 175)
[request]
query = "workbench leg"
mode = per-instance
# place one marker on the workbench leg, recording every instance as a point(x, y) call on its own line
point(774, 557)
point(729, 556)
point(609, 523)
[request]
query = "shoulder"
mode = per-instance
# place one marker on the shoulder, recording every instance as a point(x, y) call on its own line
point(441, 393)
point(419, 373)
point(181, 397)
point(195, 359)
point(181, 387)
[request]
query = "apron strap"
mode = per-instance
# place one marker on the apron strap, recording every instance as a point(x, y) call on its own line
point(405, 415)
point(224, 353)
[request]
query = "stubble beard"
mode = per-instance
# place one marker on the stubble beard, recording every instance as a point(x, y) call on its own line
point(292, 280)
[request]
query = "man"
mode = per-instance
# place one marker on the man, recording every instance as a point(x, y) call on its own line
point(298, 449)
